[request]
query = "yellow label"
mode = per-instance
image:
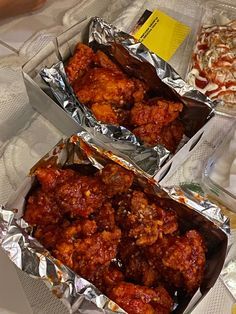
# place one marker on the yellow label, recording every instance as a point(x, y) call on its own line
point(162, 34)
point(233, 309)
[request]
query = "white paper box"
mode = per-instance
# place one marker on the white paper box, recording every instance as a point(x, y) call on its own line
point(38, 92)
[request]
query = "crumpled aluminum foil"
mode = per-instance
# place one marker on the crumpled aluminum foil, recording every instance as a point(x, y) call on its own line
point(77, 293)
point(187, 195)
point(27, 253)
point(137, 61)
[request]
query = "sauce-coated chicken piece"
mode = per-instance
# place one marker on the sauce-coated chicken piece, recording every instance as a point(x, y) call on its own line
point(103, 85)
point(140, 91)
point(135, 264)
point(155, 252)
point(80, 228)
point(64, 252)
point(135, 299)
point(106, 113)
point(47, 235)
point(80, 62)
point(158, 111)
point(111, 276)
point(106, 277)
point(42, 209)
point(187, 258)
point(84, 250)
point(95, 78)
point(103, 61)
point(67, 235)
point(169, 136)
point(117, 180)
point(80, 196)
point(50, 177)
point(144, 220)
point(96, 251)
point(152, 255)
point(105, 217)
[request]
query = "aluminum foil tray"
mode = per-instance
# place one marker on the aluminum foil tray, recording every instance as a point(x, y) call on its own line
point(80, 296)
point(154, 161)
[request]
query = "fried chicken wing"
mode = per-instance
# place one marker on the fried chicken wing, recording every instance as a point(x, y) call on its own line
point(140, 88)
point(136, 265)
point(103, 85)
point(171, 135)
point(42, 209)
point(146, 222)
point(111, 276)
point(50, 177)
point(106, 277)
point(68, 234)
point(80, 228)
point(155, 252)
point(117, 180)
point(80, 62)
point(186, 257)
point(168, 136)
point(149, 133)
point(135, 299)
point(96, 251)
point(47, 235)
point(64, 252)
point(107, 113)
point(180, 260)
point(105, 217)
point(80, 196)
point(140, 91)
point(121, 204)
point(85, 251)
point(159, 111)
point(153, 255)
point(103, 61)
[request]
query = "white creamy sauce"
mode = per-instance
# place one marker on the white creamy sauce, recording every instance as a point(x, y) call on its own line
point(214, 62)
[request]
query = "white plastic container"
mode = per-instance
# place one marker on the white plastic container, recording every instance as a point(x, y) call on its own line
point(185, 11)
point(216, 13)
point(220, 171)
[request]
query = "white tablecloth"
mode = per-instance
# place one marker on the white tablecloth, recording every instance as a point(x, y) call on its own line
point(25, 135)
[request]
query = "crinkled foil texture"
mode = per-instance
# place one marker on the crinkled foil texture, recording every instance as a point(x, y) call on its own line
point(78, 294)
point(137, 60)
point(187, 194)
